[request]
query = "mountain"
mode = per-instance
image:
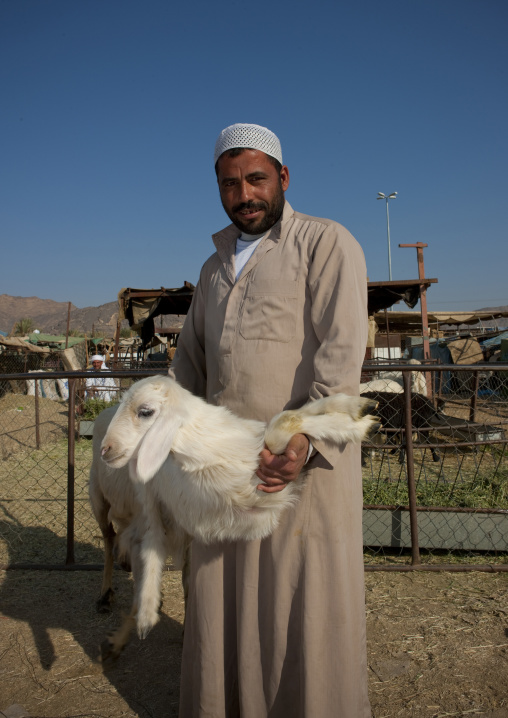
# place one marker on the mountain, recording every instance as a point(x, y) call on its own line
point(50, 317)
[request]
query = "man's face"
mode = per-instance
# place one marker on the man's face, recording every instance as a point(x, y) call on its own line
point(96, 365)
point(251, 190)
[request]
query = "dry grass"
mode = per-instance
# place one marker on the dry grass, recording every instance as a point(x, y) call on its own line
point(437, 646)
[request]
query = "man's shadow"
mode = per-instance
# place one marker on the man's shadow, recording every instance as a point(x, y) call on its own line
point(66, 600)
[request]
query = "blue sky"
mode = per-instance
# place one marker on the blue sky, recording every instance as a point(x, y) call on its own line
point(110, 110)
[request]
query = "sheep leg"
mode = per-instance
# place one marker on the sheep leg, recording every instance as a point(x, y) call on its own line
point(153, 556)
point(338, 418)
point(113, 645)
point(115, 642)
point(108, 532)
point(107, 593)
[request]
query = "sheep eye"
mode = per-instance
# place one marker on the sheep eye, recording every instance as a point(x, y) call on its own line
point(145, 412)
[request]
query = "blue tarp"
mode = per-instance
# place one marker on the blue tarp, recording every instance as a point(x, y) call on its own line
point(437, 351)
point(493, 341)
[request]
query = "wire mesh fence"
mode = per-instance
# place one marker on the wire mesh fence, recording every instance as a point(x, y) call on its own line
point(435, 476)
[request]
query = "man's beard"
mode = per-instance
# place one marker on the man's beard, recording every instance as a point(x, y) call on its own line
point(273, 211)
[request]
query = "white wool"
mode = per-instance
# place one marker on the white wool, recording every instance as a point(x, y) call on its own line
point(196, 462)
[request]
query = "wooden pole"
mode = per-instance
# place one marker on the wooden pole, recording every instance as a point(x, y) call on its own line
point(37, 417)
point(68, 325)
point(419, 246)
point(70, 471)
point(413, 515)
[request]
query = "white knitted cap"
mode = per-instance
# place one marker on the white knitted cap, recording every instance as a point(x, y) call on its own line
point(252, 137)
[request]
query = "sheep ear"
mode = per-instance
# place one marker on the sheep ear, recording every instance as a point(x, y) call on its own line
point(156, 446)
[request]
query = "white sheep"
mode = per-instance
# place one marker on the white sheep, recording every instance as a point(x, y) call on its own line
point(117, 504)
point(393, 382)
point(198, 461)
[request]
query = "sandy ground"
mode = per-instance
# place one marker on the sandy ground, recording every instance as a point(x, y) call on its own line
point(437, 646)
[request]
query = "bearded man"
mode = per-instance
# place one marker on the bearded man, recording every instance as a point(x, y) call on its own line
point(276, 628)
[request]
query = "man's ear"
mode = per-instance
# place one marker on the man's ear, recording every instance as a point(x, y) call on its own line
point(284, 178)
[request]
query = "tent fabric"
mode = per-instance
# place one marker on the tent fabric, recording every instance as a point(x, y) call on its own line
point(379, 298)
point(439, 351)
point(408, 321)
point(61, 340)
point(17, 342)
point(140, 311)
point(136, 309)
point(465, 351)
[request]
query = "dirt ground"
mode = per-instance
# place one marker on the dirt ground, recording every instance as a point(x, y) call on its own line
point(17, 423)
point(437, 646)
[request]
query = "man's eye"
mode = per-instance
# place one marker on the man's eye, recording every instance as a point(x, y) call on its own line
point(145, 412)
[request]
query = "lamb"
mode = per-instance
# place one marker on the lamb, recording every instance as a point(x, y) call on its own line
point(118, 502)
point(197, 462)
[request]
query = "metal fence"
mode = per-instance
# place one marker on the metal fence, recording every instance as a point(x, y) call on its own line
point(435, 477)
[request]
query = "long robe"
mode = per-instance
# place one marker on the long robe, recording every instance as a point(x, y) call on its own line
point(276, 628)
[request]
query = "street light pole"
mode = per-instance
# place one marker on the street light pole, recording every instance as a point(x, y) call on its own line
point(393, 195)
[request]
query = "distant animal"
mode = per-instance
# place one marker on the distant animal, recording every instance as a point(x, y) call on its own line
point(194, 464)
point(391, 411)
point(393, 382)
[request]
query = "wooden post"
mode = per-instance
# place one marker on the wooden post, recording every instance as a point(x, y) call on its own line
point(37, 417)
point(70, 471)
point(68, 326)
point(411, 486)
point(388, 335)
point(419, 246)
point(117, 343)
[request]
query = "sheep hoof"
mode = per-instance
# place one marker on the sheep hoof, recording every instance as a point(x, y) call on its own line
point(109, 653)
point(374, 428)
point(369, 406)
point(104, 602)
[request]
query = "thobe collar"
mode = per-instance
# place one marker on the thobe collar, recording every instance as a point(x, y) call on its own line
point(225, 242)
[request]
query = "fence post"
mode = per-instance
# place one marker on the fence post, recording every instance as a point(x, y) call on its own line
point(70, 471)
point(413, 514)
point(37, 417)
point(474, 384)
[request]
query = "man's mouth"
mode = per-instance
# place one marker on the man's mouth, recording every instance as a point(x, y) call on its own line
point(249, 212)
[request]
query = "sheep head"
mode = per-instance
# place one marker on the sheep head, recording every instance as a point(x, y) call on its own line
point(142, 431)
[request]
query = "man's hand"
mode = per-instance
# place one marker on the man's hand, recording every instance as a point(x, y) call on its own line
point(276, 471)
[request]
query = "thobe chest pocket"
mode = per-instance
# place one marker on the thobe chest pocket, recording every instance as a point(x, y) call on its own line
point(269, 310)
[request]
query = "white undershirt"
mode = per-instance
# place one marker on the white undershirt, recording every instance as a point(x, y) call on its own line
point(245, 246)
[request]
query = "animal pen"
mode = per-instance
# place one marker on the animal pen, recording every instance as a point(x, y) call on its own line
point(441, 503)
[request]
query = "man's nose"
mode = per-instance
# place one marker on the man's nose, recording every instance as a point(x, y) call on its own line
point(245, 191)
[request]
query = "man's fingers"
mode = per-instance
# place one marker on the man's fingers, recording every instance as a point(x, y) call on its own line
point(272, 489)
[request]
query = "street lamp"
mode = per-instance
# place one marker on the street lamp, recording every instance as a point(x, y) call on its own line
point(393, 195)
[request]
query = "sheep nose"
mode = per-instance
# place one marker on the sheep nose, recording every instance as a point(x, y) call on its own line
point(105, 450)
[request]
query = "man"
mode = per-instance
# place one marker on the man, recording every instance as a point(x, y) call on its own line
point(276, 628)
point(100, 387)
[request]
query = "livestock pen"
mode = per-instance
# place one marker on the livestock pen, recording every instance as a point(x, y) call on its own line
point(446, 503)
point(437, 641)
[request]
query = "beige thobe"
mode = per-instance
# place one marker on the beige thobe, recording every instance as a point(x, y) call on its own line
point(276, 628)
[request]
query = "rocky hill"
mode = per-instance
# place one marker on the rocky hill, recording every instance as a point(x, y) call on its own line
point(51, 317)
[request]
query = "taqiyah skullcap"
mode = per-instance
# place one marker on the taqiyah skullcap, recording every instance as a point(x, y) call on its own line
point(252, 137)
point(97, 357)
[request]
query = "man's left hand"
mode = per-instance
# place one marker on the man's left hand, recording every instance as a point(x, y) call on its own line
point(277, 471)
